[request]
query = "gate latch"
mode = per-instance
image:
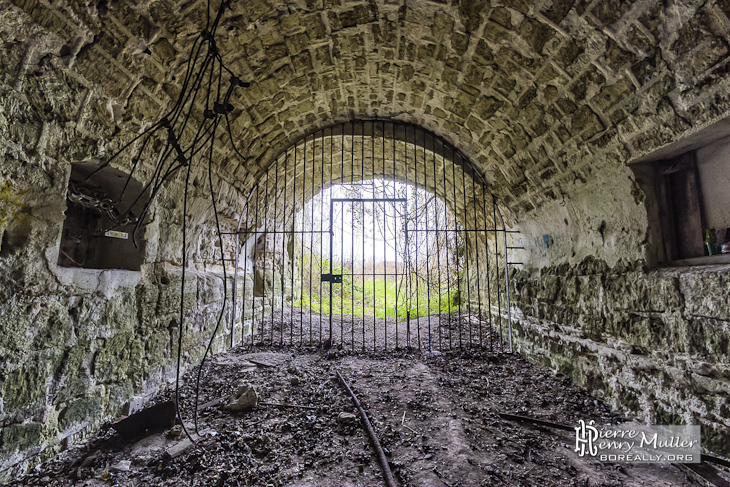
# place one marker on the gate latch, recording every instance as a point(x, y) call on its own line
point(334, 278)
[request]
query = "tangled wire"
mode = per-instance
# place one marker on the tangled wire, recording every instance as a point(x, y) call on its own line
point(205, 97)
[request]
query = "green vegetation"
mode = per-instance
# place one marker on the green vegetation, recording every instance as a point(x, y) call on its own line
point(361, 297)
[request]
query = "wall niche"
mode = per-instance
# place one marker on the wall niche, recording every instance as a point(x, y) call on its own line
point(101, 212)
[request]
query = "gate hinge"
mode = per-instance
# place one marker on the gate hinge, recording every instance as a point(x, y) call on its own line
point(334, 278)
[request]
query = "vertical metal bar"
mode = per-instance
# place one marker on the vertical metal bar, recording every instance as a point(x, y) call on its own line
point(352, 257)
point(475, 237)
point(320, 196)
point(428, 248)
point(332, 243)
point(263, 272)
point(341, 243)
point(329, 189)
point(276, 242)
point(362, 171)
point(496, 259)
point(342, 151)
point(506, 277)
point(447, 242)
point(489, 290)
point(284, 243)
point(293, 247)
point(406, 243)
point(375, 210)
point(416, 209)
point(253, 265)
point(310, 201)
point(465, 243)
point(385, 241)
point(438, 245)
point(456, 241)
point(245, 268)
point(301, 268)
point(235, 285)
point(395, 237)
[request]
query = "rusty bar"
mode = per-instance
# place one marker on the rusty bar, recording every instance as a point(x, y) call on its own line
point(387, 474)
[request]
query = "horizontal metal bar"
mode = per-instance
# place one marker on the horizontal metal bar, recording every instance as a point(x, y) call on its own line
point(368, 200)
point(276, 232)
point(453, 230)
point(519, 248)
point(515, 263)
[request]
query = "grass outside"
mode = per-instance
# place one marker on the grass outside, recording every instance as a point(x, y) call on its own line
point(376, 297)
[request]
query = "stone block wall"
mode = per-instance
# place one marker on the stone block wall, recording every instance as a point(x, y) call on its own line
point(655, 344)
point(591, 303)
point(79, 347)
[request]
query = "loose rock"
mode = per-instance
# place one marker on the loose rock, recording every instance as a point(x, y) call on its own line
point(344, 417)
point(245, 399)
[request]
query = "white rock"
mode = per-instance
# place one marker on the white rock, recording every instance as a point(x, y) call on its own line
point(122, 466)
point(244, 399)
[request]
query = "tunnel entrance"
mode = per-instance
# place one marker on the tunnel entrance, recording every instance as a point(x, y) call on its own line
point(373, 235)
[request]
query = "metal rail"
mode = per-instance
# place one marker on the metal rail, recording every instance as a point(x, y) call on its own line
point(374, 442)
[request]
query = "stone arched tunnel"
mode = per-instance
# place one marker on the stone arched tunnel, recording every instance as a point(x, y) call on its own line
point(599, 126)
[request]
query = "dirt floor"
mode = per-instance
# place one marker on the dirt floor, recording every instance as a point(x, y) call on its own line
point(436, 414)
point(441, 332)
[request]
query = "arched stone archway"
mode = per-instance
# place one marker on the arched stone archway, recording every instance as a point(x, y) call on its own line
point(360, 153)
point(551, 100)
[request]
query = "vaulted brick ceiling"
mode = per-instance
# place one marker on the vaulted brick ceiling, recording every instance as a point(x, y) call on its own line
point(539, 95)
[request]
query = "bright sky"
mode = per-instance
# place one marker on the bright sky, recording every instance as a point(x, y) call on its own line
point(357, 237)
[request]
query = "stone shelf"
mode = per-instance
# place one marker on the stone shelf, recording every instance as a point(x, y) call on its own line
point(706, 260)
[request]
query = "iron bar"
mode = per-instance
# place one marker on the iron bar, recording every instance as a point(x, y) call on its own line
point(496, 259)
point(372, 158)
point(385, 247)
point(476, 257)
point(465, 242)
point(456, 241)
point(321, 223)
point(294, 247)
point(263, 273)
point(506, 282)
point(438, 248)
point(414, 230)
point(362, 172)
point(428, 271)
point(301, 267)
point(380, 454)
point(415, 182)
point(342, 140)
point(352, 257)
point(488, 279)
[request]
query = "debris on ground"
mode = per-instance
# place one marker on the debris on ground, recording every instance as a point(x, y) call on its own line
point(437, 417)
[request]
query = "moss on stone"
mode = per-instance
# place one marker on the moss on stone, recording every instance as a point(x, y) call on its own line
point(715, 440)
point(665, 417)
point(78, 411)
point(24, 386)
point(630, 401)
point(20, 437)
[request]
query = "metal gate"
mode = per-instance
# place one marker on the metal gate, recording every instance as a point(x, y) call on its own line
point(372, 235)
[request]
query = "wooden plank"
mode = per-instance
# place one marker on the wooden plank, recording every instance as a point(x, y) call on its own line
point(181, 447)
point(687, 208)
point(212, 403)
point(666, 216)
point(155, 418)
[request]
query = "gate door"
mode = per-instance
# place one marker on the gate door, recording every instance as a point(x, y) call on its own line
point(362, 275)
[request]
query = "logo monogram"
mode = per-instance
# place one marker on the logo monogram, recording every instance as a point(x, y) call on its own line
point(585, 435)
